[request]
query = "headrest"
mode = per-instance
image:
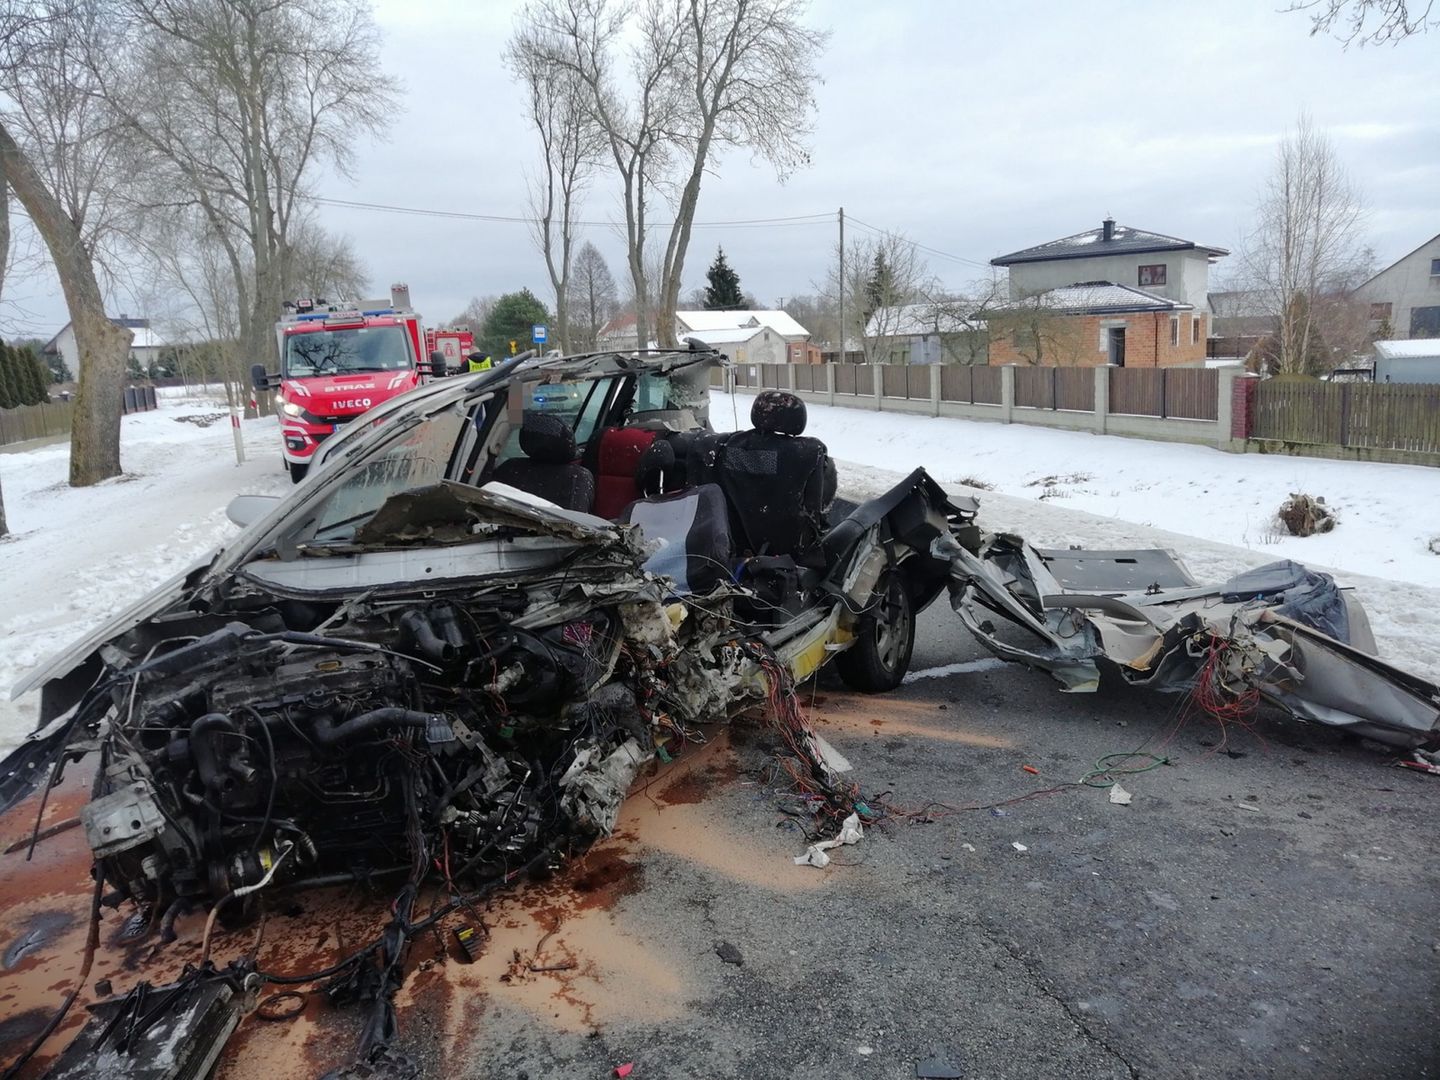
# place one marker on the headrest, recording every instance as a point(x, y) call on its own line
point(547, 439)
point(778, 412)
point(658, 471)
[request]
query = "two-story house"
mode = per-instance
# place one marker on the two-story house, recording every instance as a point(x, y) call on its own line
point(1126, 296)
point(1405, 297)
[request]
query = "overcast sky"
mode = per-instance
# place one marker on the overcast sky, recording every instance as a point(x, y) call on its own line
point(973, 128)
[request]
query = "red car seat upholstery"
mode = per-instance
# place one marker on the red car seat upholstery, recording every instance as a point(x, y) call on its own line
point(620, 452)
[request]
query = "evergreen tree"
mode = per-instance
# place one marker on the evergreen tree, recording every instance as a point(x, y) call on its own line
point(39, 374)
point(59, 370)
point(9, 391)
point(27, 389)
point(880, 287)
point(510, 319)
point(723, 291)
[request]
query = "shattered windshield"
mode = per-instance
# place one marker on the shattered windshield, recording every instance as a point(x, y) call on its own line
point(418, 458)
point(364, 348)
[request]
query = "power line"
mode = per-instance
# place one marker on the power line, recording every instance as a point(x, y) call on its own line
point(922, 247)
point(506, 219)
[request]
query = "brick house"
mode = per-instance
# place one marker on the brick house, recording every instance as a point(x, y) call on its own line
point(1115, 295)
point(1097, 322)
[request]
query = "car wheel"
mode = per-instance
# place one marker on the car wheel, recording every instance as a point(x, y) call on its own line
point(297, 472)
point(884, 640)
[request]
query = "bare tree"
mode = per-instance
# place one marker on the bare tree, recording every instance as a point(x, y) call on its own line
point(592, 299)
point(884, 274)
point(1035, 332)
point(583, 39)
point(51, 177)
point(1307, 242)
point(749, 69)
point(321, 264)
point(1370, 22)
point(475, 313)
point(257, 96)
point(570, 147)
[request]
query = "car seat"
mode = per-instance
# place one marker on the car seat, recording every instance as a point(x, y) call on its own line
point(777, 482)
point(548, 468)
point(615, 469)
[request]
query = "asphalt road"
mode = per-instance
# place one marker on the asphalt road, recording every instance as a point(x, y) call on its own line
point(1266, 907)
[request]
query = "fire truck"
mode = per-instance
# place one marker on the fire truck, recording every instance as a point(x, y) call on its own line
point(455, 344)
point(337, 362)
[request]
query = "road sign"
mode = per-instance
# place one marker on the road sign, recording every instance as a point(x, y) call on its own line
point(538, 334)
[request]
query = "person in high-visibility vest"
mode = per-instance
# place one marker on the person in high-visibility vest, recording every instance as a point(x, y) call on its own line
point(479, 361)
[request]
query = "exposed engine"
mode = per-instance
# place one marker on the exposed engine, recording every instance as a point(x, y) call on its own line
point(242, 757)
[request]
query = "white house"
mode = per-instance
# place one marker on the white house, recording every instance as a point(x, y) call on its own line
point(1406, 294)
point(738, 331)
point(144, 348)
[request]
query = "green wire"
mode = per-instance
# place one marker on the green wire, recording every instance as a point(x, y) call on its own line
point(1105, 770)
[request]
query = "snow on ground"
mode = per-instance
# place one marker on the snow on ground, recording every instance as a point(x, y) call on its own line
point(1388, 514)
point(78, 555)
point(1187, 512)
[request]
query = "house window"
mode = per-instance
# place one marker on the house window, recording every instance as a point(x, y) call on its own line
point(1174, 332)
point(1435, 267)
point(1152, 275)
point(1381, 311)
point(1195, 330)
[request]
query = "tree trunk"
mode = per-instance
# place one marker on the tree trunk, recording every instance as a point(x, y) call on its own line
point(103, 346)
point(4, 227)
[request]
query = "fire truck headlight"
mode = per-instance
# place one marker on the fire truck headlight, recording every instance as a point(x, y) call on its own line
point(291, 409)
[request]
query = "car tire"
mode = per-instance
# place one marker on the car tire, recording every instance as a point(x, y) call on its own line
point(884, 640)
point(297, 472)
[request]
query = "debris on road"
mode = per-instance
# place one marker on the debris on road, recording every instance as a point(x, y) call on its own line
point(1018, 846)
point(1119, 796)
point(1280, 633)
point(815, 855)
point(937, 1069)
point(729, 953)
point(625, 1070)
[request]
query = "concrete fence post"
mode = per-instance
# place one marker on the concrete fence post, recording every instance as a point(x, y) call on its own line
point(1225, 407)
point(877, 383)
point(1007, 393)
point(1102, 398)
point(935, 370)
point(790, 377)
point(830, 382)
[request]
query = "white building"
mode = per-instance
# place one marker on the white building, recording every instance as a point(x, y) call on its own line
point(1406, 294)
point(144, 348)
point(748, 332)
point(1413, 361)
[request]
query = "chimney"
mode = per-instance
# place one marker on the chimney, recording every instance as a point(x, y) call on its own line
point(1107, 229)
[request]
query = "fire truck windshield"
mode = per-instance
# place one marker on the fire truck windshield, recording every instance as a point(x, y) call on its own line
point(328, 352)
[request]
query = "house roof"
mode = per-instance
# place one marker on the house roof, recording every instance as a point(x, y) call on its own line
point(1100, 298)
point(1415, 347)
point(624, 323)
point(919, 320)
point(142, 335)
point(729, 335)
point(1124, 240)
point(1397, 262)
point(779, 321)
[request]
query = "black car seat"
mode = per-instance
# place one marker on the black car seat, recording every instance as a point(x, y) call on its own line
point(548, 468)
point(777, 482)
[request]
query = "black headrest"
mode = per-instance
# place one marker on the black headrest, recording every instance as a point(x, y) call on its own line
point(655, 463)
point(547, 439)
point(778, 412)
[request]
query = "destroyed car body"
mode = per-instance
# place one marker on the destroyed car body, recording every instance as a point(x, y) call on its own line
point(409, 672)
point(1281, 633)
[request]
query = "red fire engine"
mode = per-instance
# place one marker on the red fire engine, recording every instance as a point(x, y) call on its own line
point(454, 344)
point(338, 361)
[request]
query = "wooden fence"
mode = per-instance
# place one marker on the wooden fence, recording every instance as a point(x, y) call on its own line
point(54, 418)
point(1368, 417)
point(1169, 393)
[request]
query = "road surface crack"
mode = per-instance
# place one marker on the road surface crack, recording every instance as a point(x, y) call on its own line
point(1042, 984)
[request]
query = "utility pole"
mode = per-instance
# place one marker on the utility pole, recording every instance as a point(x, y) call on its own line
point(842, 285)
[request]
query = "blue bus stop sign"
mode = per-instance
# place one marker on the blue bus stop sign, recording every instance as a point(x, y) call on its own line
point(538, 334)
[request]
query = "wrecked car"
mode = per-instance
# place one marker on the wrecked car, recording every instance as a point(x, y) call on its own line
point(1280, 633)
point(443, 659)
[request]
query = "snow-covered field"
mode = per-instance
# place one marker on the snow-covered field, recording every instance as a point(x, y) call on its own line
point(1388, 514)
point(77, 556)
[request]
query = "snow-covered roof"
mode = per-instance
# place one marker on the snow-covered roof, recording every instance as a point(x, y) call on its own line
point(1091, 244)
point(730, 335)
point(145, 336)
point(1415, 347)
point(919, 320)
point(1100, 298)
point(779, 321)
